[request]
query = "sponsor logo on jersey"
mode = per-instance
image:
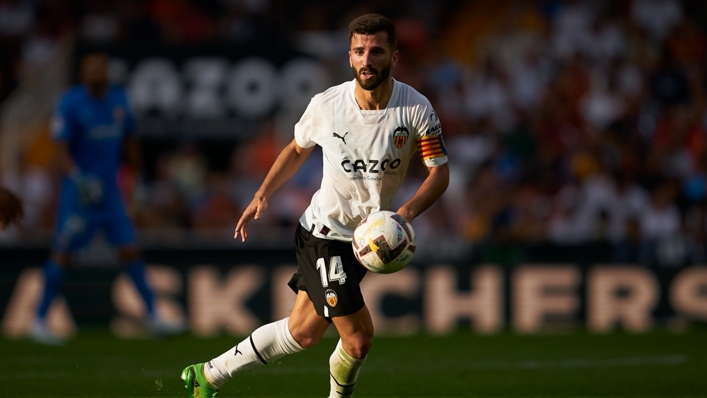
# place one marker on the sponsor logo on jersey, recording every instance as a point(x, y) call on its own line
point(400, 136)
point(343, 138)
point(436, 129)
point(331, 298)
point(370, 166)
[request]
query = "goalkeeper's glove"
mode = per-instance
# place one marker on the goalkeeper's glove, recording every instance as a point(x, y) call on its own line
point(90, 188)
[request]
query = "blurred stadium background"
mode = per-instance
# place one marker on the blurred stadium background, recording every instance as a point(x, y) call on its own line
point(577, 136)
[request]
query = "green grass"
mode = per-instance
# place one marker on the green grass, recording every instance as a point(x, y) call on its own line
point(95, 364)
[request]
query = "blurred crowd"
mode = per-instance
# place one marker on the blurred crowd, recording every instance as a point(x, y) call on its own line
point(567, 122)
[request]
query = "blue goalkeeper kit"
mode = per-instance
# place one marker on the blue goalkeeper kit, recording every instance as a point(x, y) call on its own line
point(94, 130)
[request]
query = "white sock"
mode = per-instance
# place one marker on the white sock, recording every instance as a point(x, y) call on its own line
point(343, 372)
point(265, 345)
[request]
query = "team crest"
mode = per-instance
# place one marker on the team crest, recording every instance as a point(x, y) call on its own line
point(331, 298)
point(400, 136)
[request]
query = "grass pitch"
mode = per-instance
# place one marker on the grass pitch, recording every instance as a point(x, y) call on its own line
point(96, 364)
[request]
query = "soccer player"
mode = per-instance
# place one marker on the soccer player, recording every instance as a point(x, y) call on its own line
point(90, 124)
point(369, 129)
point(10, 208)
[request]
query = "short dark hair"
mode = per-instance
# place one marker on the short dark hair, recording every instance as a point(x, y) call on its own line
point(370, 24)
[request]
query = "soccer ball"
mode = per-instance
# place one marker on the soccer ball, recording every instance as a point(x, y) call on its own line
point(384, 242)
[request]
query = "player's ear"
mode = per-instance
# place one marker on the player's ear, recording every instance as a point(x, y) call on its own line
point(394, 58)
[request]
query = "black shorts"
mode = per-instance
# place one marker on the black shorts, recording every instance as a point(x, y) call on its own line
point(329, 273)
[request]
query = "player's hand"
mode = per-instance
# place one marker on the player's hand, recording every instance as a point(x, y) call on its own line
point(90, 188)
point(254, 210)
point(10, 208)
point(405, 214)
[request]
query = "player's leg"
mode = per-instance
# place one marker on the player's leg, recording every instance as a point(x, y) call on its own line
point(54, 270)
point(302, 330)
point(132, 263)
point(332, 276)
point(356, 332)
point(305, 325)
point(73, 231)
point(121, 234)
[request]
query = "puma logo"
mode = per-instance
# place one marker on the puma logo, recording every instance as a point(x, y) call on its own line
point(342, 138)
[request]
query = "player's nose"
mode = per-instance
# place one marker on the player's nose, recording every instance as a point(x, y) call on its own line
point(366, 59)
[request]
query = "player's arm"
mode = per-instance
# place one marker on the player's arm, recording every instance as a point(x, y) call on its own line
point(286, 165)
point(431, 189)
point(63, 128)
point(65, 162)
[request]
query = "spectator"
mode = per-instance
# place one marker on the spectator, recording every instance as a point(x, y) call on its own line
point(657, 17)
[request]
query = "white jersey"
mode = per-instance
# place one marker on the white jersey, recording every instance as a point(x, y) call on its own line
point(365, 153)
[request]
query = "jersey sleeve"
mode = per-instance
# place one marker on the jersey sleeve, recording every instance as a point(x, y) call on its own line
point(64, 124)
point(428, 138)
point(304, 129)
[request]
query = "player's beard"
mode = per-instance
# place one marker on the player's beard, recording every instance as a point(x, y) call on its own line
point(371, 84)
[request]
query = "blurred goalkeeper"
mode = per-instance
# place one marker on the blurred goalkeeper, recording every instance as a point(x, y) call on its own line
point(90, 124)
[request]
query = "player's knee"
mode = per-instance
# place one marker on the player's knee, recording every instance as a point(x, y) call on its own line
point(358, 344)
point(305, 338)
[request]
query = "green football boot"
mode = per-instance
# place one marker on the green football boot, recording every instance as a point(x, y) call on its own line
point(196, 384)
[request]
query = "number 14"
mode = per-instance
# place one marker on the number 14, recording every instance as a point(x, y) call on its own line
point(336, 271)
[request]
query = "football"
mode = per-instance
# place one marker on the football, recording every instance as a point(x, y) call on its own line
point(384, 242)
